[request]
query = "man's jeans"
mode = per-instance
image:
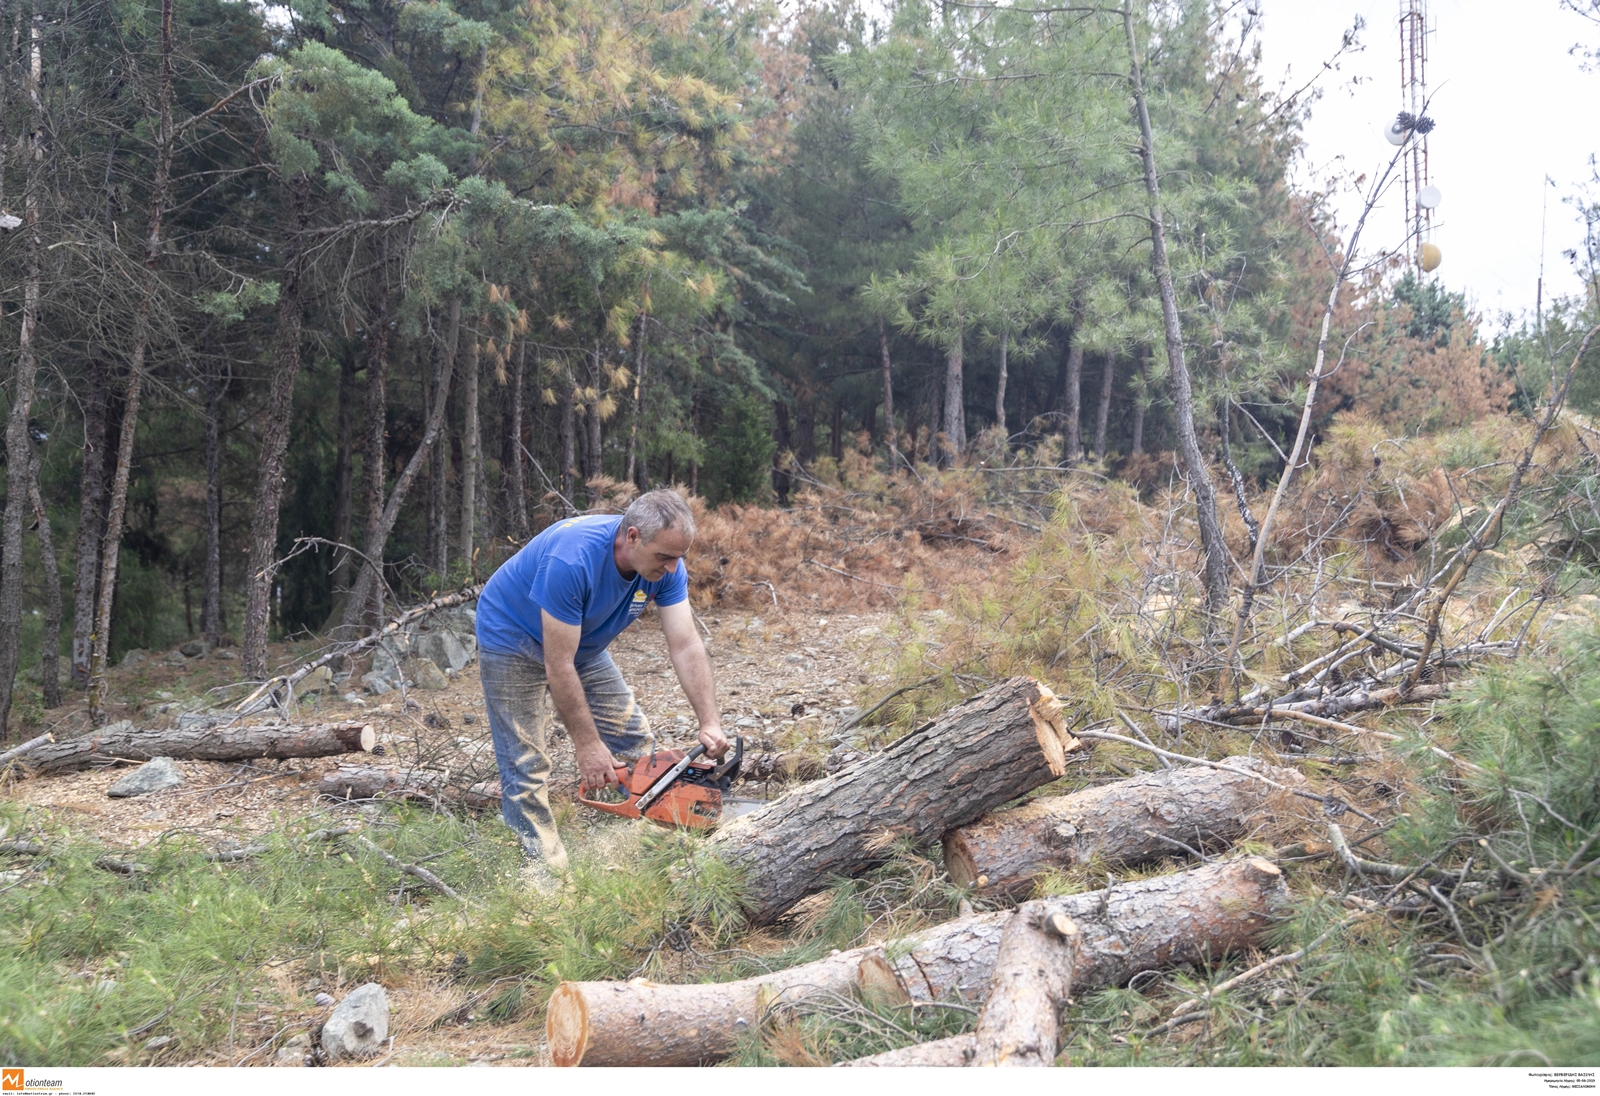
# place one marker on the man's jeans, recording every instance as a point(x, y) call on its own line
point(516, 696)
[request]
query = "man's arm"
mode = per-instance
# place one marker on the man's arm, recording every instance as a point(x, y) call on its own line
point(689, 659)
point(596, 767)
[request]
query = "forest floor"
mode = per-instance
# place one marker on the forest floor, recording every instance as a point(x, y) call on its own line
point(785, 681)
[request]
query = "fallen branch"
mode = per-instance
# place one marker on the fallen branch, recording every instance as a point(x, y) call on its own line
point(414, 870)
point(18, 751)
point(236, 742)
point(860, 717)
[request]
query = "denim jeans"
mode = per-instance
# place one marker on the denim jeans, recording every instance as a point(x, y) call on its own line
point(516, 695)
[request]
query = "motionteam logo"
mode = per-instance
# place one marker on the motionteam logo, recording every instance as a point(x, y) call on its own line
point(12, 1080)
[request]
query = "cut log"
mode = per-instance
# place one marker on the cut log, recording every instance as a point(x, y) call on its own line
point(1144, 818)
point(1020, 1023)
point(376, 782)
point(236, 742)
point(989, 750)
point(642, 1023)
point(1185, 917)
point(957, 1050)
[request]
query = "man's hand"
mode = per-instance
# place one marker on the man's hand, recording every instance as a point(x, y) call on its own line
point(597, 768)
point(715, 742)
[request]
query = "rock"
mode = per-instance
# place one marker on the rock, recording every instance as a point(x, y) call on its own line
point(375, 683)
point(425, 674)
point(294, 1049)
point(352, 698)
point(227, 655)
point(197, 719)
point(160, 1042)
point(194, 648)
point(153, 776)
point(173, 658)
point(316, 681)
point(120, 727)
point(390, 653)
point(444, 648)
point(461, 619)
point(359, 1026)
point(135, 657)
point(324, 999)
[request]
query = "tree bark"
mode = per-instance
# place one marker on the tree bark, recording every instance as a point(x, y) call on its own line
point(1188, 917)
point(19, 445)
point(888, 395)
point(953, 1052)
point(836, 431)
point(275, 441)
point(1103, 412)
point(955, 407)
point(780, 458)
point(1143, 818)
point(641, 363)
point(517, 485)
point(1020, 1022)
point(91, 512)
point(641, 1023)
point(1199, 476)
point(594, 463)
point(375, 455)
point(211, 580)
point(343, 477)
point(438, 461)
point(472, 447)
point(992, 748)
point(378, 534)
point(1073, 446)
point(228, 742)
point(50, 640)
point(567, 411)
point(1000, 387)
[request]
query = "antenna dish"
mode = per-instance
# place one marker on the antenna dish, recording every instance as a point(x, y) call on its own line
point(1396, 134)
point(1430, 257)
point(1429, 197)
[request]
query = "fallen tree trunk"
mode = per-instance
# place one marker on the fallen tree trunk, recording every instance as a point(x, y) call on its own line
point(1020, 1024)
point(1189, 916)
point(237, 742)
point(957, 1050)
point(1150, 816)
point(375, 782)
point(994, 747)
point(641, 1023)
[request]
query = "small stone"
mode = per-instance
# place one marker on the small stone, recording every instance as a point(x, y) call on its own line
point(315, 682)
point(324, 999)
point(425, 674)
point(829, 682)
point(375, 683)
point(225, 655)
point(173, 658)
point(352, 698)
point(468, 717)
point(160, 1042)
point(153, 776)
point(793, 659)
point(360, 1023)
point(135, 657)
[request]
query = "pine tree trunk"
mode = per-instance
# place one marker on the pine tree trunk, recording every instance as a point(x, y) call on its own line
point(1020, 1022)
point(117, 505)
point(888, 395)
point(955, 407)
point(641, 363)
point(518, 485)
point(987, 751)
point(50, 640)
point(211, 581)
point(780, 474)
point(1146, 817)
point(91, 511)
point(1217, 557)
point(375, 456)
point(438, 467)
point(1000, 386)
point(19, 445)
point(275, 443)
point(594, 464)
point(836, 432)
point(568, 412)
point(1103, 412)
point(471, 446)
point(1073, 446)
point(343, 475)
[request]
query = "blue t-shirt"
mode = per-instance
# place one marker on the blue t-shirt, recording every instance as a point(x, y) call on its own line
point(569, 572)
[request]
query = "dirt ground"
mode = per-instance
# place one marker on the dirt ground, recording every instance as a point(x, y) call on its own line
point(784, 682)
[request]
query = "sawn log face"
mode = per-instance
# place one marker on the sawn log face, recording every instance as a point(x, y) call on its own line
point(1120, 823)
point(237, 742)
point(994, 747)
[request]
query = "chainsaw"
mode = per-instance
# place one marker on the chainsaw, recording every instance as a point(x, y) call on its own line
point(675, 788)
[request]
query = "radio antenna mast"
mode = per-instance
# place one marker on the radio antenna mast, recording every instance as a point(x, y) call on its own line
point(1414, 32)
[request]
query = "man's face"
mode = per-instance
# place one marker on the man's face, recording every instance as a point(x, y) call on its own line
point(659, 557)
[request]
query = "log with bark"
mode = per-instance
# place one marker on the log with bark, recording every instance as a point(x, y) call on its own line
point(1020, 1024)
point(376, 782)
point(1189, 916)
point(1147, 817)
point(989, 750)
point(235, 742)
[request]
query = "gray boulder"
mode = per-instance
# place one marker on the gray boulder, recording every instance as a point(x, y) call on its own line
point(425, 674)
point(445, 649)
point(194, 648)
point(390, 653)
point(316, 681)
point(135, 657)
point(153, 776)
point(376, 684)
point(359, 1025)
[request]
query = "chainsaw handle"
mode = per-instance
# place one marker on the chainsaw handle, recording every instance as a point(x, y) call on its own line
point(626, 806)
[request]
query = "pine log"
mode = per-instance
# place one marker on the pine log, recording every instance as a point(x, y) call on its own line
point(377, 782)
point(1184, 917)
point(235, 742)
point(1020, 1023)
point(642, 1023)
point(957, 1050)
point(989, 750)
point(1129, 821)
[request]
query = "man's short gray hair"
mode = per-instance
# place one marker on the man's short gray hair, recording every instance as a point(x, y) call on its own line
point(656, 510)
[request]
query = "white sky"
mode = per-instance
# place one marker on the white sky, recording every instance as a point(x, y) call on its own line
point(1512, 107)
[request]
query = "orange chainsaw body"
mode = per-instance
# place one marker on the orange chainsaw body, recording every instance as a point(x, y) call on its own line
point(695, 806)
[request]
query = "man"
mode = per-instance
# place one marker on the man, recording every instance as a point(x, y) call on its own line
point(545, 620)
